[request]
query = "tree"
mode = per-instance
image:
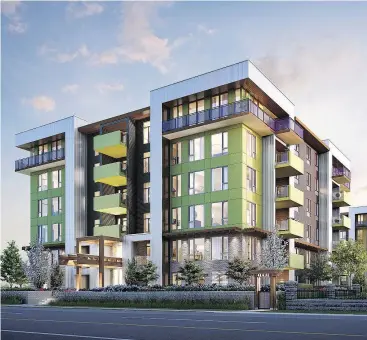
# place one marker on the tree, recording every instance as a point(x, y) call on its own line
point(37, 268)
point(239, 270)
point(57, 277)
point(349, 258)
point(12, 270)
point(191, 272)
point(132, 273)
point(320, 268)
point(148, 273)
point(142, 274)
point(274, 252)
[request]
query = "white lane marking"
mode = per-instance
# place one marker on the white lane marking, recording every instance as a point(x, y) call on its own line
point(206, 320)
point(64, 335)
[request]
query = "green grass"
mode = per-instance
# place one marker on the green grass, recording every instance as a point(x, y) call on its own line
point(153, 304)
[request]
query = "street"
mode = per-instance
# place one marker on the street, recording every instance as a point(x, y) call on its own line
point(43, 323)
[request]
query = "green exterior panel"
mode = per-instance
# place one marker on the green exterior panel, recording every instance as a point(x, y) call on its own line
point(107, 140)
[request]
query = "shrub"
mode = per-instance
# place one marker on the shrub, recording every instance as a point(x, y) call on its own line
point(279, 287)
point(12, 300)
point(281, 301)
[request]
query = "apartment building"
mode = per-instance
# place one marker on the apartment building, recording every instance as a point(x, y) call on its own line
point(203, 173)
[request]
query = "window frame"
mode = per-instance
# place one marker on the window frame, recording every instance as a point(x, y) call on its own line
point(223, 209)
point(58, 199)
point(192, 183)
point(146, 132)
point(146, 194)
point(41, 205)
point(223, 180)
point(251, 214)
point(194, 215)
point(59, 232)
point(251, 145)
point(176, 218)
point(41, 180)
point(192, 149)
point(146, 223)
point(223, 144)
point(44, 235)
point(308, 154)
point(223, 248)
point(251, 179)
point(176, 153)
point(308, 181)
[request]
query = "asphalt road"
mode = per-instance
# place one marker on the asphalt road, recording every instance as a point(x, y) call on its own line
point(18, 323)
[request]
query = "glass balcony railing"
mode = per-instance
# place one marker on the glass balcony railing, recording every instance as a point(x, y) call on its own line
point(342, 171)
point(282, 191)
point(288, 123)
point(37, 160)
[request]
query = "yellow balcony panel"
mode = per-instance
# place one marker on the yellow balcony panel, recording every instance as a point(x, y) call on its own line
point(341, 222)
point(288, 164)
point(289, 131)
point(288, 196)
point(341, 199)
point(345, 187)
point(110, 204)
point(109, 230)
point(296, 261)
point(341, 175)
point(111, 174)
point(112, 144)
point(290, 228)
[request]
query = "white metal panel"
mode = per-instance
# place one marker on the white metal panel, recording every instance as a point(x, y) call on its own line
point(338, 154)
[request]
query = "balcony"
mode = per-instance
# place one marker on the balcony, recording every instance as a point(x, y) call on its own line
point(244, 111)
point(110, 204)
point(40, 162)
point(345, 187)
point(290, 228)
point(296, 261)
point(288, 164)
point(341, 222)
point(341, 199)
point(141, 259)
point(289, 131)
point(88, 260)
point(341, 175)
point(288, 196)
point(110, 230)
point(111, 174)
point(112, 144)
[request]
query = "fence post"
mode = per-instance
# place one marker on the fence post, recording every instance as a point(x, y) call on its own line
point(330, 291)
point(290, 291)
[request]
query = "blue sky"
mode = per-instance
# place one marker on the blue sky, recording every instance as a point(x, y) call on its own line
point(99, 59)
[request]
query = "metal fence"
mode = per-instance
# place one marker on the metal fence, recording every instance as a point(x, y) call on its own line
point(311, 294)
point(324, 293)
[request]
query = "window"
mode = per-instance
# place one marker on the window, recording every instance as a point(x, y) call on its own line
point(308, 181)
point(124, 194)
point(146, 132)
point(124, 164)
point(361, 219)
point(308, 256)
point(316, 209)
point(124, 224)
point(42, 233)
point(224, 99)
point(220, 178)
point(56, 206)
point(316, 159)
point(176, 219)
point(342, 235)
point(147, 223)
point(251, 214)
point(238, 95)
point(176, 251)
point(317, 183)
point(317, 233)
point(177, 111)
point(42, 208)
point(296, 179)
point(196, 182)
point(196, 249)
point(296, 149)
point(308, 233)
point(176, 279)
point(56, 179)
point(251, 145)
point(196, 149)
point(219, 213)
point(56, 233)
point(196, 216)
point(42, 149)
point(84, 250)
point(176, 153)
point(308, 207)
point(308, 154)
point(146, 192)
point(253, 245)
point(220, 144)
point(220, 248)
point(57, 145)
point(192, 107)
point(176, 186)
point(219, 278)
point(42, 182)
point(97, 222)
point(215, 101)
point(146, 162)
point(251, 179)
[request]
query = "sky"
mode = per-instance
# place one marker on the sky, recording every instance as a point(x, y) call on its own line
point(101, 59)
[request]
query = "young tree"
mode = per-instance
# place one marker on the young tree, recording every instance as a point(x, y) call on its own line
point(57, 277)
point(191, 272)
point(132, 273)
point(38, 266)
point(349, 258)
point(142, 274)
point(11, 265)
point(239, 270)
point(320, 268)
point(148, 273)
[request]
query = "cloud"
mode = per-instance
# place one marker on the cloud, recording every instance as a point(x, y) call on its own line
point(12, 11)
point(41, 103)
point(82, 9)
point(113, 87)
point(64, 57)
point(206, 30)
point(70, 88)
point(106, 57)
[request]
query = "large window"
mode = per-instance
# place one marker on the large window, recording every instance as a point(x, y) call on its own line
point(196, 216)
point(176, 186)
point(220, 144)
point(176, 218)
point(251, 214)
point(177, 111)
point(361, 218)
point(308, 154)
point(42, 149)
point(308, 207)
point(56, 179)
point(147, 192)
point(146, 132)
point(176, 153)
point(219, 278)
point(251, 145)
point(56, 206)
point(176, 251)
point(57, 145)
point(251, 179)
point(147, 223)
point(196, 182)
point(253, 246)
point(220, 100)
point(146, 162)
point(42, 233)
point(220, 178)
point(42, 182)
point(196, 149)
point(219, 213)
point(308, 181)
point(220, 248)
point(308, 233)
point(196, 249)
point(196, 106)
point(56, 232)
point(42, 208)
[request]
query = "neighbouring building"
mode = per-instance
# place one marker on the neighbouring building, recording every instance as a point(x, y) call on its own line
point(204, 173)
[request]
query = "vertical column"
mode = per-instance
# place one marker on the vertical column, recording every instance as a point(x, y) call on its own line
point(101, 261)
point(131, 177)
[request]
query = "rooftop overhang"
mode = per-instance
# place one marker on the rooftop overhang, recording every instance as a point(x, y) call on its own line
point(308, 246)
point(338, 155)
